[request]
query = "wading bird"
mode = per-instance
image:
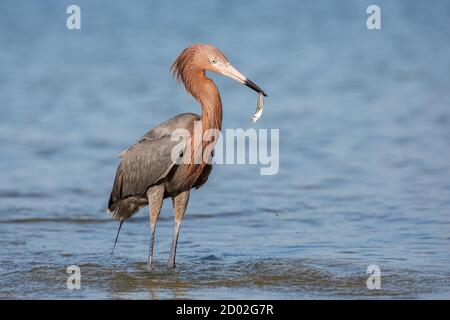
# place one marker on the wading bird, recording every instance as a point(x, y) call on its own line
point(147, 173)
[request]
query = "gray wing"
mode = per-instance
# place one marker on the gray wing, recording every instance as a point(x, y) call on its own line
point(149, 160)
point(183, 120)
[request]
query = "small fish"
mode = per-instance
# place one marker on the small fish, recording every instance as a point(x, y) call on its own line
point(259, 109)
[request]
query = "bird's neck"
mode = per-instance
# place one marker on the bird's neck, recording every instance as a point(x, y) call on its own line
point(206, 93)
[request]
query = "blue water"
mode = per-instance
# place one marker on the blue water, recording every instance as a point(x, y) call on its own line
point(364, 119)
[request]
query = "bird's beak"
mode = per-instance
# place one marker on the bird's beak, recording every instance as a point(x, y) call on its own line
point(229, 71)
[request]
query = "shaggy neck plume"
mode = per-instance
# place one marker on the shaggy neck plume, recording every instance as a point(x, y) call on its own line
point(200, 87)
point(205, 92)
point(209, 98)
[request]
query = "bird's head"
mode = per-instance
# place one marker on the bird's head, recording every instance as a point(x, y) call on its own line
point(207, 57)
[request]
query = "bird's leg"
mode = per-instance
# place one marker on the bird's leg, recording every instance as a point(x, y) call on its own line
point(180, 202)
point(155, 200)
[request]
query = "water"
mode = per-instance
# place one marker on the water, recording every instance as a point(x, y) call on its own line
point(364, 119)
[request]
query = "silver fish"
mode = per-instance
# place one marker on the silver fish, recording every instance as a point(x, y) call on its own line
point(259, 109)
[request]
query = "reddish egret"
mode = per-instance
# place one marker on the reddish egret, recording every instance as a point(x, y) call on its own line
point(147, 175)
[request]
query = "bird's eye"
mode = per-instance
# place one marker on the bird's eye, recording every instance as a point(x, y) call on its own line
point(213, 61)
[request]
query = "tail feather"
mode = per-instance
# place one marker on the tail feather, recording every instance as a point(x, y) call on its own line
point(124, 208)
point(121, 207)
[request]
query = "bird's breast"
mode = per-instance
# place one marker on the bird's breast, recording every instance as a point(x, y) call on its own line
point(185, 178)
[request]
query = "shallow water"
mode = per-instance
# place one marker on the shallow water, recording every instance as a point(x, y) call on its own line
point(364, 119)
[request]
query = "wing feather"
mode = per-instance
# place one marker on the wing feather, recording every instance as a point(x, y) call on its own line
point(148, 161)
